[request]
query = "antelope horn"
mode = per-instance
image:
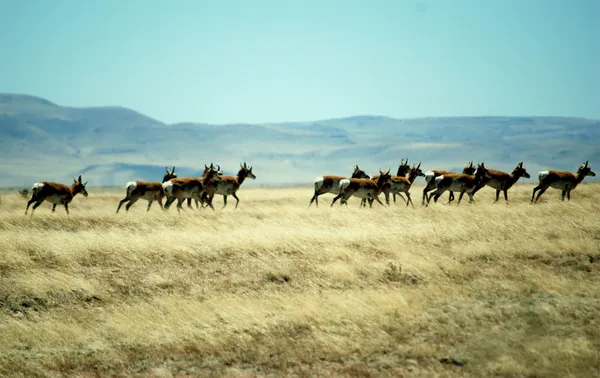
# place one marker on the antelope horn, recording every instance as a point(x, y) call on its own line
point(586, 163)
point(79, 178)
point(173, 171)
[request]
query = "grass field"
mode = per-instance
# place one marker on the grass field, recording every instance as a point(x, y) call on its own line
point(275, 288)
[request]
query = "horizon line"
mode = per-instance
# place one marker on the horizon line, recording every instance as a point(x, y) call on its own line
point(266, 123)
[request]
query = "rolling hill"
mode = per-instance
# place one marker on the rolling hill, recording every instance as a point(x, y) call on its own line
point(40, 140)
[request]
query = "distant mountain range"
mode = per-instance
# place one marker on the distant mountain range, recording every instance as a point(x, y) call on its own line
point(40, 140)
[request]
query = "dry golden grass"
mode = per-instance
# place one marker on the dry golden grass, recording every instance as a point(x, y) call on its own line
point(275, 288)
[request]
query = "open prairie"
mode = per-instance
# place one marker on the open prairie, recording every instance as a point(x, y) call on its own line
point(276, 288)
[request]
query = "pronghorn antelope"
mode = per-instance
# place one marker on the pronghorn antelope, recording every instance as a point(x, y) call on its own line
point(363, 188)
point(430, 177)
point(459, 182)
point(502, 181)
point(150, 191)
point(189, 200)
point(55, 193)
point(331, 184)
point(228, 186)
point(401, 184)
point(189, 187)
point(562, 180)
point(403, 170)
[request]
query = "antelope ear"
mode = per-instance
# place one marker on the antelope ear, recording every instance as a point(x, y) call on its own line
point(241, 165)
point(167, 169)
point(85, 183)
point(74, 179)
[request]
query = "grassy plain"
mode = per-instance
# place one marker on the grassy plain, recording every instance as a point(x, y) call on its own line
point(275, 288)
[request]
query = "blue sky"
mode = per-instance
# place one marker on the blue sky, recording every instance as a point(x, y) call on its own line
point(264, 61)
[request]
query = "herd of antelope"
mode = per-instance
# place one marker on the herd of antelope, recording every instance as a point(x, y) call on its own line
point(203, 189)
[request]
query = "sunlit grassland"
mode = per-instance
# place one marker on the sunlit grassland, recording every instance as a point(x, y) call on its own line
point(277, 288)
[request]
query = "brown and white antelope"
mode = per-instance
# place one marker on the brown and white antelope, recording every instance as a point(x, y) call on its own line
point(189, 187)
point(55, 193)
point(189, 200)
point(562, 180)
point(401, 184)
point(363, 188)
point(430, 177)
point(459, 182)
point(228, 185)
point(502, 181)
point(331, 184)
point(147, 190)
point(403, 170)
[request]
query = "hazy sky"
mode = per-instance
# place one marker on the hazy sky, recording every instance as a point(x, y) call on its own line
point(259, 61)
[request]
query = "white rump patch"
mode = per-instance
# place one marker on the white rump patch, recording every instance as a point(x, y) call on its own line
point(429, 176)
point(319, 182)
point(438, 179)
point(130, 187)
point(36, 187)
point(542, 175)
point(344, 183)
point(168, 187)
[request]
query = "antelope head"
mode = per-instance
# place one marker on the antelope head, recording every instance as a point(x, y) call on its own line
point(79, 187)
point(247, 171)
point(359, 173)
point(416, 171)
point(585, 170)
point(520, 170)
point(469, 169)
point(169, 175)
point(213, 172)
point(384, 177)
point(403, 168)
point(482, 172)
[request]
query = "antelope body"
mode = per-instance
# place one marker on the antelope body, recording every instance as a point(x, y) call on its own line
point(459, 182)
point(228, 185)
point(562, 180)
point(189, 187)
point(363, 188)
point(147, 190)
point(55, 193)
point(430, 177)
point(502, 181)
point(331, 184)
point(403, 170)
point(401, 184)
